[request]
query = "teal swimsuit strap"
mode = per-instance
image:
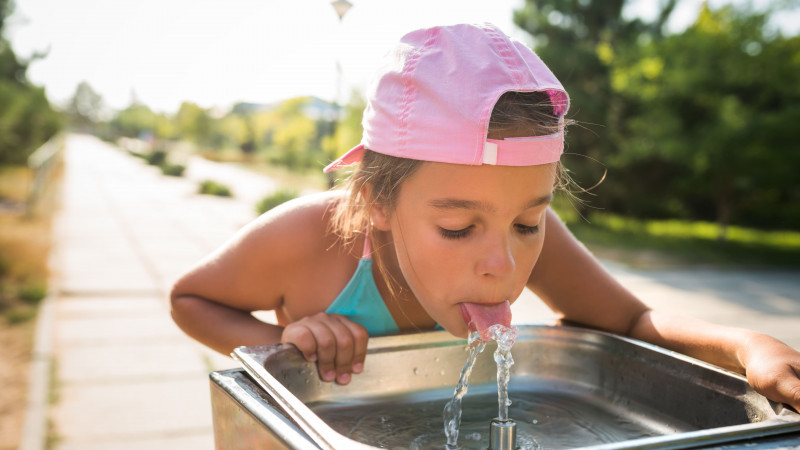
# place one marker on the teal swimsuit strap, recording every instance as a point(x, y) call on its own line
point(361, 301)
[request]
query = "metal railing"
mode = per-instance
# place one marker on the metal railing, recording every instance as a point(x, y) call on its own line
point(42, 163)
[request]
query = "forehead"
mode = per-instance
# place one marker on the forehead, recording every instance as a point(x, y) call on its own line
point(494, 186)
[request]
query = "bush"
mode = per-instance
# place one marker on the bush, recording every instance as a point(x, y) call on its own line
point(275, 199)
point(157, 157)
point(19, 315)
point(211, 187)
point(138, 155)
point(32, 293)
point(173, 170)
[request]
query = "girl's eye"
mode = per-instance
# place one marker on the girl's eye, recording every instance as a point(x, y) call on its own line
point(525, 229)
point(455, 234)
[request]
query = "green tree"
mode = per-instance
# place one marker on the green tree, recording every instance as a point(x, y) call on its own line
point(348, 129)
point(194, 123)
point(577, 39)
point(293, 137)
point(718, 104)
point(85, 108)
point(134, 120)
point(26, 118)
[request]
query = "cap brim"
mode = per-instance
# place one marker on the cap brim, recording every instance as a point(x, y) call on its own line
point(351, 157)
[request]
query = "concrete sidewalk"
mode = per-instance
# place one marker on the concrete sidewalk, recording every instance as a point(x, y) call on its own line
point(126, 377)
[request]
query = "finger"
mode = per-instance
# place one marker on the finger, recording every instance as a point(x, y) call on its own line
point(360, 338)
point(344, 348)
point(301, 337)
point(789, 391)
point(325, 347)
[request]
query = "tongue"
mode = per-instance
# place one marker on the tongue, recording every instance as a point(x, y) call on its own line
point(480, 317)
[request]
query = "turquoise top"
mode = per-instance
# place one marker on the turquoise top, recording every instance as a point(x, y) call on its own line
point(361, 302)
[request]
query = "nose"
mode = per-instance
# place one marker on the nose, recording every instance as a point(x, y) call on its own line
point(497, 259)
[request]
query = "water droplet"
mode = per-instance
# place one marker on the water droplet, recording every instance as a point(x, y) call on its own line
point(535, 421)
point(416, 370)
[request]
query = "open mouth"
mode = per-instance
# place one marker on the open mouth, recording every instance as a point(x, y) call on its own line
point(479, 316)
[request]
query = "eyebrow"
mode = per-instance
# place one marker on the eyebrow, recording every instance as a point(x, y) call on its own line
point(457, 203)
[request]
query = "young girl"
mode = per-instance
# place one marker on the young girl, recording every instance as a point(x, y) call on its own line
point(445, 216)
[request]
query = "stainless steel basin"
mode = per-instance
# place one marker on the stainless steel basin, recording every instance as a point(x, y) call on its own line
point(570, 388)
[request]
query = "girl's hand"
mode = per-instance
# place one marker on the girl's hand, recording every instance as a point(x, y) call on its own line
point(338, 344)
point(773, 369)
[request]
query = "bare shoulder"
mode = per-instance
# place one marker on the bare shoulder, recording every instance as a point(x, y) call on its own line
point(295, 232)
point(268, 257)
point(300, 221)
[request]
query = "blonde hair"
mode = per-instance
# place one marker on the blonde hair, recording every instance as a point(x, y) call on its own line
point(378, 177)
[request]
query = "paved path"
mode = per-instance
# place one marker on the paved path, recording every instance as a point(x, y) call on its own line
point(127, 377)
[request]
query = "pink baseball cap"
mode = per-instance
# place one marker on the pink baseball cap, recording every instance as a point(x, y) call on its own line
point(433, 97)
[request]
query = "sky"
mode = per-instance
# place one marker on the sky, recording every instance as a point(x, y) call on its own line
point(219, 52)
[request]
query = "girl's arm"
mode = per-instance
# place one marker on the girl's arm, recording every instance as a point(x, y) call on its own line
point(219, 326)
point(278, 262)
point(771, 367)
point(575, 286)
point(214, 300)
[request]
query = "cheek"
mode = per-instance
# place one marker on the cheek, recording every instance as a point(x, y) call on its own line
point(427, 261)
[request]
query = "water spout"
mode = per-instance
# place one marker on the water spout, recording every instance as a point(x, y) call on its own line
point(502, 435)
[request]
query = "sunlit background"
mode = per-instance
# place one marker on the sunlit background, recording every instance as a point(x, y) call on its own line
point(216, 53)
point(137, 136)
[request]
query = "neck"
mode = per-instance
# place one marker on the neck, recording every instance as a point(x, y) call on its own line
point(398, 297)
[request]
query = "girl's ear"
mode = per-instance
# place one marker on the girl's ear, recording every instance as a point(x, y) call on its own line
point(378, 213)
point(379, 217)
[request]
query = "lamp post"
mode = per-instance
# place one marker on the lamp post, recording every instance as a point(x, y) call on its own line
point(341, 7)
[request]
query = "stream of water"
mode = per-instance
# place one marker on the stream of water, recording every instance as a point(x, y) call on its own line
point(505, 338)
point(452, 410)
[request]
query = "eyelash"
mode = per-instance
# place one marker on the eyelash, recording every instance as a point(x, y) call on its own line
point(462, 233)
point(455, 234)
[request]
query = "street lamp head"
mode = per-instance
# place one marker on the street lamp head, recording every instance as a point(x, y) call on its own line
point(341, 7)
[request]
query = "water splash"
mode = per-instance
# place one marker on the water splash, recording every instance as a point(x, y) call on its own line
point(452, 410)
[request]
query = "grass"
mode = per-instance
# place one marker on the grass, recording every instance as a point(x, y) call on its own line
point(24, 246)
point(24, 251)
point(677, 242)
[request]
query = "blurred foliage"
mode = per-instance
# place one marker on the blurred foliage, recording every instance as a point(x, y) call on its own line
point(85, 108)
point(156, 157)
point(24, 247)
point(278, 197)
point(655, 243)
point(717, 105)
point(693, 125)
point(211, 187)
point(138, 120)
point(348, 130)
point(299, 133)
point(172, 170)
point(26, 118)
